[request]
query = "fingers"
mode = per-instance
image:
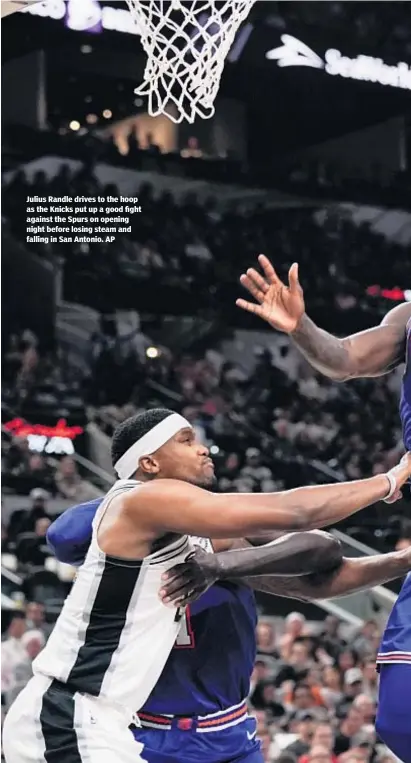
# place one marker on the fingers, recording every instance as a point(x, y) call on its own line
point(269, 271)
point(293, 280)
point(185, 594)
point(255, 284)
point(250, 307)
point(178, 585)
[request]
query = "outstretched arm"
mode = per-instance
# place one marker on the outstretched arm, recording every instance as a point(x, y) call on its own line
point(369, 353)
point(352, 576)
point(175, 506)
point(292, 554)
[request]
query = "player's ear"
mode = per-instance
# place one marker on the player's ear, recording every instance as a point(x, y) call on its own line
point(149, 465)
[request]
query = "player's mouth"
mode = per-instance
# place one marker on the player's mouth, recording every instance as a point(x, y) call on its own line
point(209, 464)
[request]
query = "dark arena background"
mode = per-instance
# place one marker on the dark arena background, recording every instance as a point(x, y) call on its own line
point(307, 160)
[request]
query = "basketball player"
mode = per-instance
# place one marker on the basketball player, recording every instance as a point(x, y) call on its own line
point(114, 634)
point(367, 354)
point(211, 663)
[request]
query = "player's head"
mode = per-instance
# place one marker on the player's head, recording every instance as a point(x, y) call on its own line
point(160, 444)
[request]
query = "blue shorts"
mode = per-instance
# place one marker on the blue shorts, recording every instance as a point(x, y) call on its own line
point(393, 721)
point(237, 744)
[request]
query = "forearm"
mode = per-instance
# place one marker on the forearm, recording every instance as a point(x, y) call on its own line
point(325, 352)
point(320, 506)
point(352, 576)
point(294, 554)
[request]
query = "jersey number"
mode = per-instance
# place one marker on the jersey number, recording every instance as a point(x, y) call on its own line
point(185, 636)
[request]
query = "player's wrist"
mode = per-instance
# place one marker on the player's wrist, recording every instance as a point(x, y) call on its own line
point(392, 485)
point(299, 326)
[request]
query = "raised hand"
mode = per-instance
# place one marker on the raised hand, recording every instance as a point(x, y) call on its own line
point(280, 305)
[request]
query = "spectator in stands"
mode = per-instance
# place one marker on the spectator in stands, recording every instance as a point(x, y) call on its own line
point(348, 658)
point(349, 731)
point(353, 686)
point(13, 650)
point(32, 643)
point(331, 639)
point(302, 701)
point(40, 473)
point(266, 639)
point(363, 643)
point(32, 548)
point(370, 680)
point(294, 627)
point(298, 663)
point(192, 150)
point(304, 727)
point(69, 483)
point(265, 698)
point(265, 739)
point(253, 467)
point(332, 689)
point(323, 736)
point(367, 707)
point(38, 509)
point(36, 618)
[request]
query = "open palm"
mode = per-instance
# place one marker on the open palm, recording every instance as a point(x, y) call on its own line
point(280, 305)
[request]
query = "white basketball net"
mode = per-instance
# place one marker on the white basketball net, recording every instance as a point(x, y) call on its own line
point(186, 45)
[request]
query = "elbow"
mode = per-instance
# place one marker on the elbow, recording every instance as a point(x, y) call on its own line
point(320, 553)
point(326, 551)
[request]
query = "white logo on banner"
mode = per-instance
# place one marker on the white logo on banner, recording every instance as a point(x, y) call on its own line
point(293, 52)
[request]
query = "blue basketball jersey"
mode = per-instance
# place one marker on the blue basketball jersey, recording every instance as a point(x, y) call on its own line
point(405, 402)
point(396, 641)
point(210, 666)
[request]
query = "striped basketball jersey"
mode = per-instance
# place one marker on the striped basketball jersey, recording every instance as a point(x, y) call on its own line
point(114, 635)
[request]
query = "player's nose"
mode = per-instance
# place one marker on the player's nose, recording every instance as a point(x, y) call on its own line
point(203, 450)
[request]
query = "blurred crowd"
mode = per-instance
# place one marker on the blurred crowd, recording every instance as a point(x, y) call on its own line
point(189, 255)
point(37, 382)
point(314, 692)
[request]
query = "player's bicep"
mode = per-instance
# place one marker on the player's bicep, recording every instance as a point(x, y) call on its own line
point(376, 351)
point(175, 506)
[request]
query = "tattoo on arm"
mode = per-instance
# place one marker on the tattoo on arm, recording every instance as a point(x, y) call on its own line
point(324, 351)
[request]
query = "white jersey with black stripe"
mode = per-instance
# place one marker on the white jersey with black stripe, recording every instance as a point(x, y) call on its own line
point(114, 635)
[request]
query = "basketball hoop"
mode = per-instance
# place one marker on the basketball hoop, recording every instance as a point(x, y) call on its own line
point(186, 45)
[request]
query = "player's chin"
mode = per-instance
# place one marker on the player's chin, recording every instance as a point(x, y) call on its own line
point(206, 479)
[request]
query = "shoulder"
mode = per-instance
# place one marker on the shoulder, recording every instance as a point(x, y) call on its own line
point(398, 316)
point(162, 493)
point(159, 488)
